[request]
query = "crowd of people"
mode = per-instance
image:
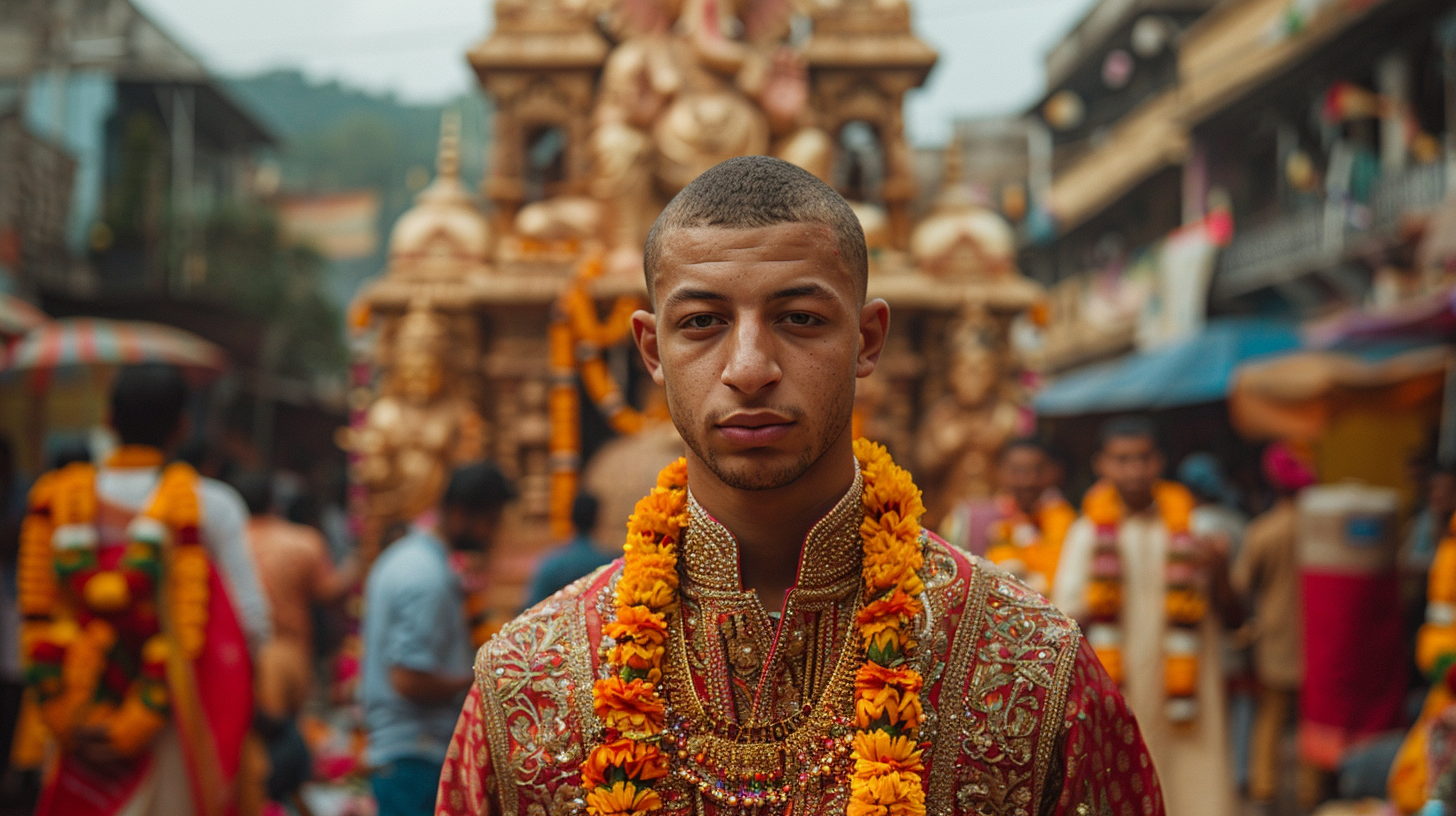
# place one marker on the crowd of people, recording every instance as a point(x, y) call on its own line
point(1152, 649)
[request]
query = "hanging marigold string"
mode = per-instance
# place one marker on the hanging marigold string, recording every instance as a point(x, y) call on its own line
point(94, 649)
point(577, 338)
point(879, 756)
point(1184, 600)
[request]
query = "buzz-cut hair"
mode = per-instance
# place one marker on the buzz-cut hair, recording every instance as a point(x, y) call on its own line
point(760, 191)
point(1135, 426)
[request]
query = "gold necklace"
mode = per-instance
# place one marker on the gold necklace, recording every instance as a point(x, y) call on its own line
point(749, 767)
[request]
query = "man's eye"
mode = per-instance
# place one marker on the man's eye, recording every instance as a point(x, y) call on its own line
point(702, 321)
point(801, 319)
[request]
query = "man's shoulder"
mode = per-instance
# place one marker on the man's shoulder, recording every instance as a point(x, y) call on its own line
point(539, 669)
point(414, 562)
point(1004, 643)
point(219, 495)
point(987, 590)
point(591, 594)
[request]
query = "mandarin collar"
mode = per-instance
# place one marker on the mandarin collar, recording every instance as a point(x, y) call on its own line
point(830, 555)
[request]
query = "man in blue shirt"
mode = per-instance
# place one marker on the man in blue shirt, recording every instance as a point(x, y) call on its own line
point(577, 559)
point(417, 651)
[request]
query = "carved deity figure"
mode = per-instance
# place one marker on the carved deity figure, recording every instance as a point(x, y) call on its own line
point(694, 82)
point(963, 432)
point(421, 427)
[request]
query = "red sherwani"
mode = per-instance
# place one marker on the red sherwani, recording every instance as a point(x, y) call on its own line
point(1021, 717)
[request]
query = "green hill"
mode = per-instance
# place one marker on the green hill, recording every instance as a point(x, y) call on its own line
point(333, 138)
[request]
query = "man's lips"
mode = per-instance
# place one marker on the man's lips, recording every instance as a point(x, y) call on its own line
point(755, 429)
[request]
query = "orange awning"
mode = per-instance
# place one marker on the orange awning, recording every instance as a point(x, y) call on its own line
point(1297, 396)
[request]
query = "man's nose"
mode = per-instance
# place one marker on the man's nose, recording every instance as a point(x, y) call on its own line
point(752, 363)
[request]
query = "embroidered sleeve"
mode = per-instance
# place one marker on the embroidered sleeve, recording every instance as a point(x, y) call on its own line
point(466, 779)
point(1106, 769)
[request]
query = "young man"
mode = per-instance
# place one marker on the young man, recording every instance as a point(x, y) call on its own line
point(577, 559)
point(1025, 536)
point(417, 649)
point(108, 532)
point(781, 626)
point(1146, 591)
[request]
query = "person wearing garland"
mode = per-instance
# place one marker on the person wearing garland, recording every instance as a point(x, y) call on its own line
point(1146, 589)
point(1031, 517)
point(782, 635)
point(140, 608)
point(417, 638)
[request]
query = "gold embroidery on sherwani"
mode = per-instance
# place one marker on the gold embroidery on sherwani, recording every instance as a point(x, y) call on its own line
point(535, 690)
point(1002, 700)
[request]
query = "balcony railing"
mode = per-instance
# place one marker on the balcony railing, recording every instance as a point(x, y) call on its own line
point(1319, 237)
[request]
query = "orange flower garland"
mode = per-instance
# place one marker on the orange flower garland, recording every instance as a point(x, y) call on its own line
point(93, 640)
point(1184, 601)
point(1030, 548)
point(888, 713)
point(619, 774)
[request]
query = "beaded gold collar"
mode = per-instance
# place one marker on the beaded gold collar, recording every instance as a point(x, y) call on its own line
point(830, 560)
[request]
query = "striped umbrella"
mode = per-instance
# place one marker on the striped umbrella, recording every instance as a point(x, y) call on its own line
point(85, 341)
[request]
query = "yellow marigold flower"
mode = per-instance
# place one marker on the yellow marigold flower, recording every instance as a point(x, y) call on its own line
point(896, 610)
point(889, 693)
point(879, 577)
point(1104, 598)
point(632, 708)
point(890, 640)
point(644, 658)
point(674, 475)
point(893, 794)
point(638, 624)
point(877, 753)
point(1186, 607)
point(662, 512)
point(641, 762)
point(622, 799)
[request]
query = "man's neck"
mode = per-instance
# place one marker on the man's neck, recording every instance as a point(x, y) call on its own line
point(1138, 503)
point(770, 525)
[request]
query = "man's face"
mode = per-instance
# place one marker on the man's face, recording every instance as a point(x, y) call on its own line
point(758, 337)
point(470, 530)
point(1133, 465)
point(1022, 473)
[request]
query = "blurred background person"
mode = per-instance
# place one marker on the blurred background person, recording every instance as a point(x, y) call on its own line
point(1032, 518)
point(578, 558)
point(1266, 572)
point(417, 653)
point(1128, 563)
point(296, 572)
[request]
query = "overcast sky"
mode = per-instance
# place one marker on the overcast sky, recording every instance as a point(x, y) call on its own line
point(990, 50)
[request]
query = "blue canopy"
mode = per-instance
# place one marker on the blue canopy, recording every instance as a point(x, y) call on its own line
point(1187, 372)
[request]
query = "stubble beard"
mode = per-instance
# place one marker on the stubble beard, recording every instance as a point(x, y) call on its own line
point(768, 476)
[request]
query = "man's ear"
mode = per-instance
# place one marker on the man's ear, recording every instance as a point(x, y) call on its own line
point(644, 334)
point(874, 327)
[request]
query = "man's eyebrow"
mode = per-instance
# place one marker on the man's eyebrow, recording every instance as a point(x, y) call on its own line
point(807, 290)
point(684, 295)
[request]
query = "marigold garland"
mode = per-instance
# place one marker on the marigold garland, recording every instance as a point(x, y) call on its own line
point(92, 640)
point(620, 773)
point(1184, 602)
point(1030, 546)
